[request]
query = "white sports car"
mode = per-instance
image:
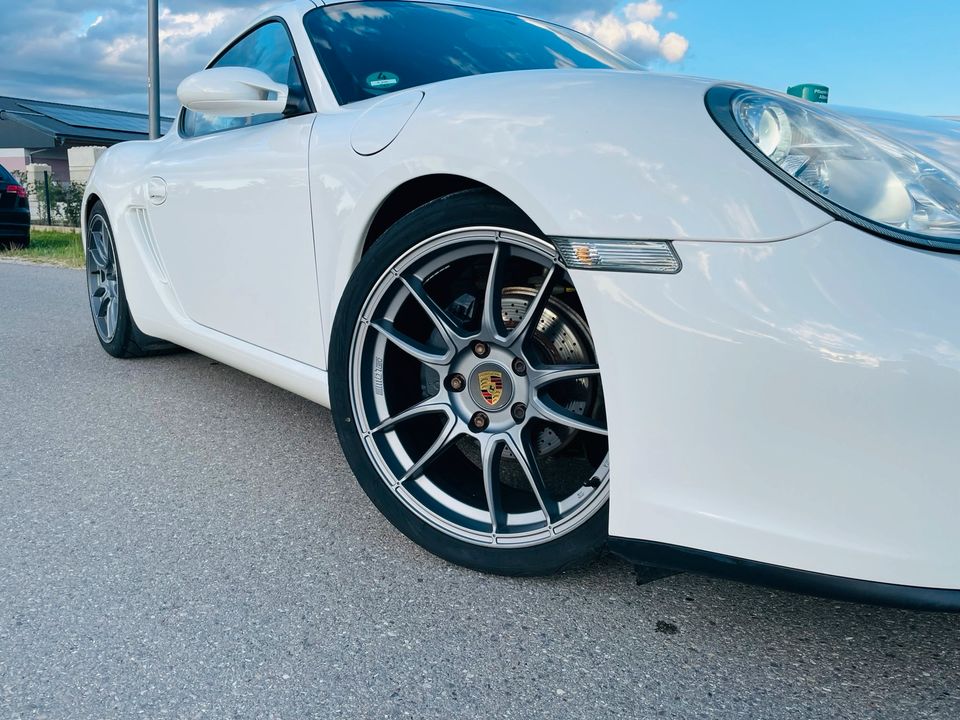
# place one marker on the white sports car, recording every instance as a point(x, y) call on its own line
point(557, 303)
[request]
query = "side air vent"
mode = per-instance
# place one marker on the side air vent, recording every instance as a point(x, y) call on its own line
point(144, 233)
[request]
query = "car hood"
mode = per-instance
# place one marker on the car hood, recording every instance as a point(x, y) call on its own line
point(937, 138)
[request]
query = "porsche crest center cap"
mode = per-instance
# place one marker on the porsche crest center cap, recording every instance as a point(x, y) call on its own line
point(491, 387)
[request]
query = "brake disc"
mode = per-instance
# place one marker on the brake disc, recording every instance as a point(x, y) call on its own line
point(562, 338)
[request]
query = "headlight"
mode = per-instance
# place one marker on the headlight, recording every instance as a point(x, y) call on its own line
point(851, 171)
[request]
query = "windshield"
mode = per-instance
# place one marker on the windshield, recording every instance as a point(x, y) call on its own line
point(373, 48)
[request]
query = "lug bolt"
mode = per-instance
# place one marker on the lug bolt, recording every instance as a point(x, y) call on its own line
point(519, 412)
point(479, 422)
point(457, 383)
point(481, 349)
point(519, 367)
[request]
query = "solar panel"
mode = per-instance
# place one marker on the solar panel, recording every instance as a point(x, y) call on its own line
point(97, 119)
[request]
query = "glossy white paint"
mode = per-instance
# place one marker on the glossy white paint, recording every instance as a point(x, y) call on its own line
point(532, 136)
point(788, 397)
point(380, 124)
point(236, 236)
point(232, 92)
point(793, 403)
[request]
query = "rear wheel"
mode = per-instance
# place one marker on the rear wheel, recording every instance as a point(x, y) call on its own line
point(116, 329)
point(467, 394)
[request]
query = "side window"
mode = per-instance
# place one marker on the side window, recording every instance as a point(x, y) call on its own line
point(267, 49)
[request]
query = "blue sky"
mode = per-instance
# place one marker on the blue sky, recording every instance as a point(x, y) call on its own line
point(901, 56)
point(877, 53)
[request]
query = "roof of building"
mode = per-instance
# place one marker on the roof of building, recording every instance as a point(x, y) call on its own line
point(60, 124)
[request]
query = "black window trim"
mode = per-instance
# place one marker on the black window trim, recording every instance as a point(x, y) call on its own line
point(312, 108)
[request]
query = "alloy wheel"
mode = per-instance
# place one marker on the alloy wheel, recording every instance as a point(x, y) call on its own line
point(476, 389)
point(103, 284)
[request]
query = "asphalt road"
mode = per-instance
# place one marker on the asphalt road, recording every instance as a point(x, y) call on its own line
point(180, 540)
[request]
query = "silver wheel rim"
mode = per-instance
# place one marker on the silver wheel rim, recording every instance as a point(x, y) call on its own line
point(103, 285)
point(494, 489)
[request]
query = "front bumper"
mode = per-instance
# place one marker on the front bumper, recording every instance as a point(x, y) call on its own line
point(794, 403)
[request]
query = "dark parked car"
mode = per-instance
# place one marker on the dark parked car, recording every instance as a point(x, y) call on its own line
point(14, 213)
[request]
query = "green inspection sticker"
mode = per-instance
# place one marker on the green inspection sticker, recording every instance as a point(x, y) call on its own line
point(382, 81)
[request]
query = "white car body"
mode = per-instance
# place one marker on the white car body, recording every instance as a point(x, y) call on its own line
point(790, 398)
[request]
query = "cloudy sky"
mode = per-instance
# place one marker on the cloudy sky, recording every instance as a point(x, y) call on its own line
point(895, 55)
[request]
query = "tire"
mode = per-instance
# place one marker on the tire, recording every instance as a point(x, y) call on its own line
point(477, 502)
point(115, 327)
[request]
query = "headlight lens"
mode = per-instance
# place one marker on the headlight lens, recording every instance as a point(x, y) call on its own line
point(852, 171)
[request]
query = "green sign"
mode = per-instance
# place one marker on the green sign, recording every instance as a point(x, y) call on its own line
point(813, 93)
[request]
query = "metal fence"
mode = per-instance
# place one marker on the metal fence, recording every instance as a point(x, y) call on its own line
point(53, 202)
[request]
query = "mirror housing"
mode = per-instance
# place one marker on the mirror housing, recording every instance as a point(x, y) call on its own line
point(233, 92)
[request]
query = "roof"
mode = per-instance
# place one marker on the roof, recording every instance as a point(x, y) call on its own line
point(59, 124)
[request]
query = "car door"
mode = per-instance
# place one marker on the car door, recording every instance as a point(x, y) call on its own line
point(230, 204)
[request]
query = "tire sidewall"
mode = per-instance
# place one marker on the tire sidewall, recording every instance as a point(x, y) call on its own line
point(471, 208)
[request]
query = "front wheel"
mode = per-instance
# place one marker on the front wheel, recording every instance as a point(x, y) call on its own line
point(466, 390)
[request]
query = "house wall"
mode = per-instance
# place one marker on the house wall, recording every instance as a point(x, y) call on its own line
point(82, 160)
point(56, 158)
point(14, 158)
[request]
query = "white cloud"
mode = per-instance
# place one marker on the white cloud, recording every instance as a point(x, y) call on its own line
point(631, 31)
point(647, 11)
point(674, 47)
point(175, 26)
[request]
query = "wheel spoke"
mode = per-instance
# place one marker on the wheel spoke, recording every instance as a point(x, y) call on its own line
point(524, 454)
point(101, 243)
point(541, 377)
point(546, 409)
point(531, 318)
point(96, 260)
point(97, 301)
point(423, 353)
point(437, 315)
point(111, 316)
point(493, 297)
point(431, 406)
point(491, 451)
point(451, 431)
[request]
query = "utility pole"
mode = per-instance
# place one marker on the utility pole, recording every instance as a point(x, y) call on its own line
point(153, 65)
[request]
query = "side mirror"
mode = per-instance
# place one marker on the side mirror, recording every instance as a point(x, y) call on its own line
point(233, 92)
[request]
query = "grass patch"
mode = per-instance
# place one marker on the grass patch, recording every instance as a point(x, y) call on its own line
point(51, 247)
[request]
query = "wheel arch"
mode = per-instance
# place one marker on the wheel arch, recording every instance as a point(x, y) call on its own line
point(92, 199)
point(88, 202)
point(392, 204)
point(417, 192)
